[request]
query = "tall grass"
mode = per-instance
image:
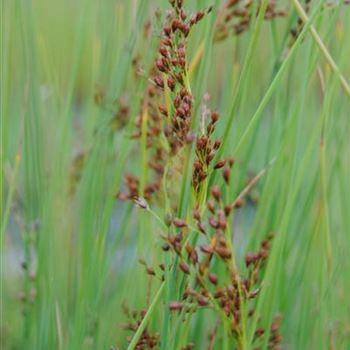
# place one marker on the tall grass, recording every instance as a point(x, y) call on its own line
point(71, 249)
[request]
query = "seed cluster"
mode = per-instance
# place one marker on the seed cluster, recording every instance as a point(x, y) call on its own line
point(201, 246)
point(198, 262)
point(147, 340)
point(168, 101)
point(205, 153)
point(172, 64)
point(236, 15)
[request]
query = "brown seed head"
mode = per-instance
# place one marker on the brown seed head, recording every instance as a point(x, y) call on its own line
point(179, 222)
point(175, 306)
point(215, 192)
point(184, 267)
point(220, 164)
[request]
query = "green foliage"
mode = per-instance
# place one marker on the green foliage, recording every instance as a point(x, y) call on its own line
point(70, 248)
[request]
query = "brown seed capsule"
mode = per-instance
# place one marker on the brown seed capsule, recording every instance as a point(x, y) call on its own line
point(213, 223)
point(213, 278)
point(210, 157)
point(202, 175)
point(263, 254)
point(176, 24)
point(181, 52)
point(216, 193)
point(217, 144)
point(211, 206)
point(250, 258)
point(180, 111)
point(202, 301)
point(179, 222)
point(184, 267)
point(238, 203)
point(175, 305)
point(167, 31)
point(163, 51)
point(193, 20)
point(201, 227)
point(161, 66)
point(226, 174)
point(214, 117)
point(159, 82)
point(207, 249)
point(163, 110)
point(150, 271)
point(220, 164)
point(199, 15)
point(224, 252)
point(185, 30)
point(259, 332)
point(196, 214)
point(227, 209)
point(171, 83)
point(222, 220)
point(182, 62)
point(231, 161)
point(194, 257)
point(210, 128)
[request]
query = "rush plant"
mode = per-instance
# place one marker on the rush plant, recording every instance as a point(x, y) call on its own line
point(174, 175)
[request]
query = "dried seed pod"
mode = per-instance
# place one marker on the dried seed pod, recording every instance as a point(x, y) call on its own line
point(179, 223)
point(217, 144)
point(150, 271)
point(184, 267)
point(171, 83)
point(197, 214)
point(163, 51)
point(167, 31)
point(223, 252)
point(259, 332)
point(202, 301)
point(197, 165)
point(215, 192)
point(220, 164)
point(163, 110)
point(159, 82)
point(250, 258)
point(201, 227)
point(226, 174)
point(231, 161)
point(207, 249)
point(211, 206)
point(227, 209)
point(238, 203)
point(213, 278)
point(213, 223)
point(214, 117)
point(194, 257)
point(161, 67)
point(175, 306)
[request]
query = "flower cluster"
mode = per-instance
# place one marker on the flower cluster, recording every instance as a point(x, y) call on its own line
point(236, 15)
point(147, 340)
point(167, 105)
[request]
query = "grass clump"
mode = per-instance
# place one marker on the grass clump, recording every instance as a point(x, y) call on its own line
point(174, 175)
